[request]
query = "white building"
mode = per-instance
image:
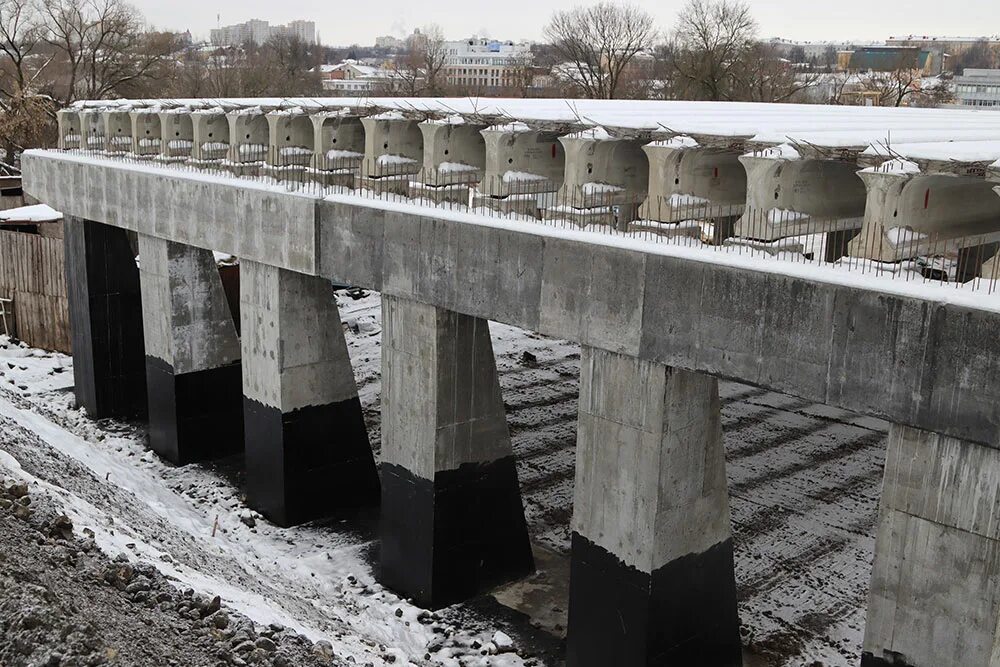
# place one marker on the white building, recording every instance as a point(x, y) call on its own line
point(258, 32)
point(353, 79)
point(978, 88)
point(484, 63)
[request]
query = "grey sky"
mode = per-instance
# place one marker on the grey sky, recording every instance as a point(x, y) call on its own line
point(341, 23)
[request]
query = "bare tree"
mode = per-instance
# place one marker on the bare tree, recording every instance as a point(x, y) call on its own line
point(419, 69)
point(895, 81)
point(762, 75)
point(598, 44)
point(20, 36)
point(712, 42)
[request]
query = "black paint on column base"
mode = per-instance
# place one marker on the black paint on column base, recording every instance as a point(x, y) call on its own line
point(890, 659)
point(456, 537)
point(194, 416)
point(682, 614)
point(309, 463)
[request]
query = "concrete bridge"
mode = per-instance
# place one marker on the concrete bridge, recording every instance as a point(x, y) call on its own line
point(652, 578)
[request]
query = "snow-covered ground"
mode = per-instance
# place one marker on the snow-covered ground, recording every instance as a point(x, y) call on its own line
point(804, 483)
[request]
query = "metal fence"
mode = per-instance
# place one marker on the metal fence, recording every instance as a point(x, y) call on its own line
point(961, 261)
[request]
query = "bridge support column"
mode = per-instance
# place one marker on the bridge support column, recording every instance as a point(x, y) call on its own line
point(452, 519)
point(652, 580)
point(307, 450)
point(935, 596)
point(192, 354)
point(105, 309)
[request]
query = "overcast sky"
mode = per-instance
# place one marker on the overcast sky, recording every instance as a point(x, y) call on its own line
point(344, 23)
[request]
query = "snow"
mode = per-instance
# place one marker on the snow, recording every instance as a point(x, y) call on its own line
point(388, 115)
point(779, 215)
point(147, 141)
point(779, 152)
point(212, 146)
point(509, 128)
point(897, 166)
point(294, 150)
point(677, 200)
point(71, 138)
point(594, 133)
point(252, 150)
point(455, 167)
point(959, 151)
point(453, 119)
point(393, 160)
point(679, 141)
point(904, 235)
point(522, 177)
point(35, 213)
point(121, 141)
point(178, 144)
point(336, 154)
point(594, 188)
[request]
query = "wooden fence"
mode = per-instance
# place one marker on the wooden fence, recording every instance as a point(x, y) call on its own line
point(32, 274)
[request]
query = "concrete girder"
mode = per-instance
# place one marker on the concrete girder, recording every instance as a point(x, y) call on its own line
point(307, 451)
point(210, 132)
point(117, 131)
point(70, 132)
point(394, 151)
point(912, 214)
point(92, 129)
point(693, 183)
point(793, 196)
point(605, 179)
point(452, 520)
point(177, 132)
point(934, 597)
point(193, 372)
point(652, 579)
point(249, 137)
point(291, 145)
point(521, 162)
point(339, 148)
point(147, 135)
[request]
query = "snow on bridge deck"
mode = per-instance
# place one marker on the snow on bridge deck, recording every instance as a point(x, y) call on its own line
point(851, 130)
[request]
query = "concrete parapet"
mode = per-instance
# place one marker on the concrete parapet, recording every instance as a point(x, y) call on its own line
point(105, 311)
point(934, 597)
point(249, 137)
point(70, 131)
point(210, 132)
point(177, 131)
point(192, 354)
point(117, 131)
point(692, 182)
point(909, 214)
point(521, 161)
point(788, 196)
point(652, 579)
point(147, 135)
point(394, 147)
point(452, 519)
point(307, 451)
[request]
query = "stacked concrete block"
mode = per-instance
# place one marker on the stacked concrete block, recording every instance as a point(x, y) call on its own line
point(105, 311)
point(605, 179)
point(452, 520)
point(524, 169)
point(652, 579)
point(70, 132)
point(909, 214)
point(307, 451)
point(291, 145)
point(935, 598)
point(789, 195)
point(690, 182)
point(454, 159)
point(210, 137)
point(249, 137)
point(193, 370)
point(394, 152)
point(147, 137)
point(177, 132)
point(117, 131)
point(339, 145)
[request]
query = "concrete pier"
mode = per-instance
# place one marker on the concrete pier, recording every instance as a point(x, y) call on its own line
point(934, 596)
point(248, 141)
point(117, 131)
point(105, 310)
point(178, 135)
point(192, 354)
point(92, 129)
point(210, 133)
point(339, 145)
point(147, 135)
point(70, 132)
point(291, 145)
point(394, 152)
point(452, 519)
point(307, 450)
point(652, 579)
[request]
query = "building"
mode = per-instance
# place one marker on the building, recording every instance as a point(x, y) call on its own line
point(259, 32)
point(484, 64)
point(889, 59)
point(389, 42)
point(943, 48)
point(978, 88)
point(351, 78)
